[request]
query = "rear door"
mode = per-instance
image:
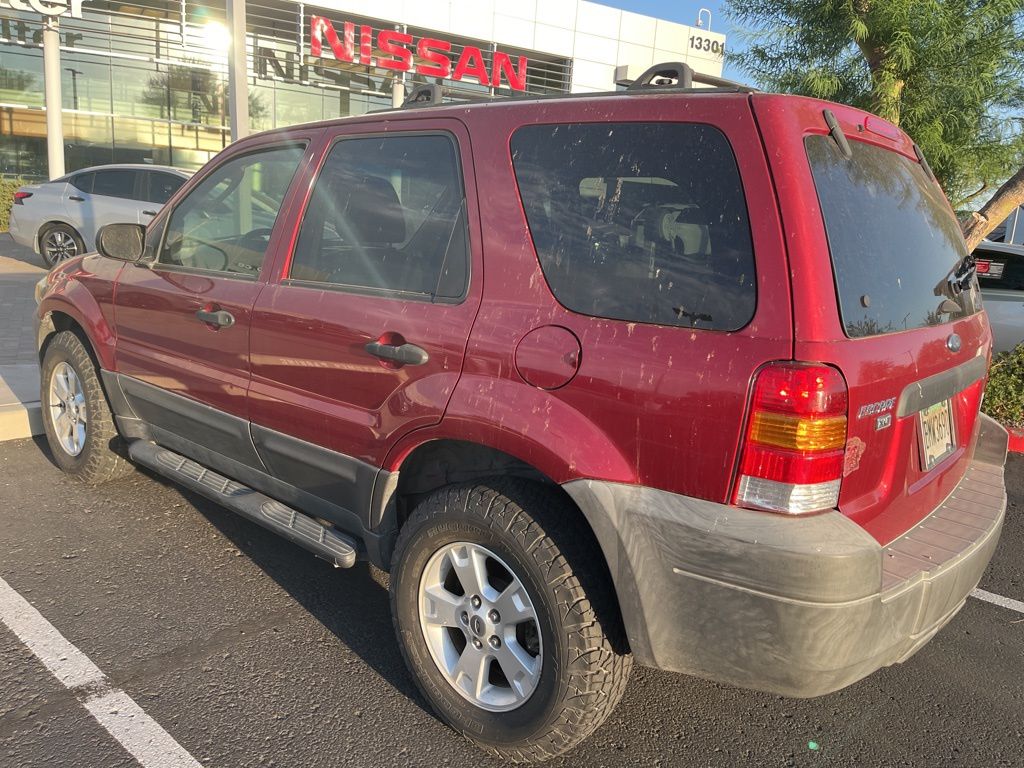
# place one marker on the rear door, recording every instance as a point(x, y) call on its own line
point(156, 189)
point(875, 251)
point(363, 338)
point(114, 198)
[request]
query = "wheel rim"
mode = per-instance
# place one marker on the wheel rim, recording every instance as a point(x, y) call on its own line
point(480, 626)
point(59, 246)
point(67, 409)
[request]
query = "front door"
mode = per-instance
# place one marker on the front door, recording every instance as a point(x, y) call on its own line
point(183, 319)
point(363, 339)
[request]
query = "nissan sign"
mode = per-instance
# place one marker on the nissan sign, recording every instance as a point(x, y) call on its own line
point(399, 51)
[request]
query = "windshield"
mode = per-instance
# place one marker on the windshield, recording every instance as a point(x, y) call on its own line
point(897, 252)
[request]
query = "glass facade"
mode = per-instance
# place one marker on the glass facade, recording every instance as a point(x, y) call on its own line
point(146, 81)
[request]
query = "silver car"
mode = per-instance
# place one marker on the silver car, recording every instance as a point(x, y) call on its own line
point(60, 218)
point(1001, 277)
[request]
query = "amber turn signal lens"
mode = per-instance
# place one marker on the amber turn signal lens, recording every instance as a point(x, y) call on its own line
point(798, 433)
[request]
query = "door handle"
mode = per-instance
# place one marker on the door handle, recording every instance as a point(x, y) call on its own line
point(149, 213)
point(221, 318)
point(405, 354)
point(77, 199)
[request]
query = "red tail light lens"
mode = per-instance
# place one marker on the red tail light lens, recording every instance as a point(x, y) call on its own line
point(795, 441)
point(20, 197)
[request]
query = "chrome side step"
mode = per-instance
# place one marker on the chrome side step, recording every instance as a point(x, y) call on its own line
point(293, 525)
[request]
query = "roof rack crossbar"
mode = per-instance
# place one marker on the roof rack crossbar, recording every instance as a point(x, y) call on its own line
point(431, 94)
point(676, 74)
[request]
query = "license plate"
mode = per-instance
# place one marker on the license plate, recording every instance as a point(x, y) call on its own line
point(936, 431)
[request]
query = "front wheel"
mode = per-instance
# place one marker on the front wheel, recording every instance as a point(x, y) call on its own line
point(76, 417)
point(507, 618)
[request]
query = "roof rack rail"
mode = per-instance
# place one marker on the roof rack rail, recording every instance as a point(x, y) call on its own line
point(431, 94)
point(676, 74)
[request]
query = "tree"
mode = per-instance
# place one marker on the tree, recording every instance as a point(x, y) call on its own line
point(949, 72)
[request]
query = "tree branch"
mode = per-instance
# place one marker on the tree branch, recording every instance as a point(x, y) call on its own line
point(1006, 198)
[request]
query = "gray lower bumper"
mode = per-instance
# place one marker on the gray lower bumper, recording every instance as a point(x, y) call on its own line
point(796, 606)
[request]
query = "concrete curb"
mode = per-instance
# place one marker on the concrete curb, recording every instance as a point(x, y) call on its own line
point(1016, 444)
point(20, 412)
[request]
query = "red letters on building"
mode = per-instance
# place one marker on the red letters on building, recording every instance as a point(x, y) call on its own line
point(471, 63)
point(503, 65)
point(431, 58)
point(434, 51)
point(394, 44)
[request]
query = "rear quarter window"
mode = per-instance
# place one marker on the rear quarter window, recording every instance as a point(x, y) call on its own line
point(643, 222)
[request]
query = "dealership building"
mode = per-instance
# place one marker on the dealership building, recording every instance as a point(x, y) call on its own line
point(87, 82)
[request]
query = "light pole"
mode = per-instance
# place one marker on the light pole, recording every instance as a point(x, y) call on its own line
point(74, 85)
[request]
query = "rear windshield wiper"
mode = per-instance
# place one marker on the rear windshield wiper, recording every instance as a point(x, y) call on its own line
point(960, 276)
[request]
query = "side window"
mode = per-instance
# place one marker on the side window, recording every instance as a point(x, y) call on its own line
point(387, 213)
point(224, 223)
point(644, 222)
point(115, 183)
point(162, 186)
point(83, 181)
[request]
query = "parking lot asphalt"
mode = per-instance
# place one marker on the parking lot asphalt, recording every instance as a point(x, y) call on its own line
point(249, 651)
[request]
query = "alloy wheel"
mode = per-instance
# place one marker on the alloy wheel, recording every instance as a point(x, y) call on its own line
point(67, 409)
point(59, 246)
point(480, 626)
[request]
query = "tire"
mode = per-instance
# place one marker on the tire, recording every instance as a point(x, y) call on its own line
point(531, 534)
point(59, 242)
point(76, 417)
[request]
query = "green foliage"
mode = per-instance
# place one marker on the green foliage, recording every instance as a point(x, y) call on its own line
point(1004, 395)
point(7, 189)
point(949, 72)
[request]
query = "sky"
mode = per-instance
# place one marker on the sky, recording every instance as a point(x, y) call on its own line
point(684, 13)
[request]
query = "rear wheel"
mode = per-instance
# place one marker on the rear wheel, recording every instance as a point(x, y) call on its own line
point(76, 417)
point(507, 618)
point(59, 242)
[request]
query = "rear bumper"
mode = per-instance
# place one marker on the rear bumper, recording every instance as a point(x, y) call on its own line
point(20, 235)
point(795, 606)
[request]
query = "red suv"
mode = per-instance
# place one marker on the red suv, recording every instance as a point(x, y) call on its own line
point(685, 376)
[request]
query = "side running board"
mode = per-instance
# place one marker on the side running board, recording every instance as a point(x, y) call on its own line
point(293, 525)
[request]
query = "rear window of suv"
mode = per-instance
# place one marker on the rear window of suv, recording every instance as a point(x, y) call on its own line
point(894, 241)
point(643, 222)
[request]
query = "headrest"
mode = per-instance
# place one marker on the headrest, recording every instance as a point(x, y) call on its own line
point(373, 214)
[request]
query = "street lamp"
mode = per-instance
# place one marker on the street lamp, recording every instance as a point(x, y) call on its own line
point(74, 85)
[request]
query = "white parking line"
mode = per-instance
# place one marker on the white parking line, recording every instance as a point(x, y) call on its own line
point(1005, 602)
point(114, 709)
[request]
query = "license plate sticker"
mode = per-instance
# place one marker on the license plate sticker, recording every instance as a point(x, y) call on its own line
point(935, 427)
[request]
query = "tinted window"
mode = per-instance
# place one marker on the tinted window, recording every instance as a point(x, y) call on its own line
point(1000, 269)
point(83, 181)
point(162, 186)
point(643, 222)
point(120, 183)
point(387, 213)
point(224, 223)
point(893, 239)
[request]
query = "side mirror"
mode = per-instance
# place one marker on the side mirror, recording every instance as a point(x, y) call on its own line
point(124, 242)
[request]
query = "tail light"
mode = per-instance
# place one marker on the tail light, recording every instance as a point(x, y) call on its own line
point(20, 197)
point(792, 459)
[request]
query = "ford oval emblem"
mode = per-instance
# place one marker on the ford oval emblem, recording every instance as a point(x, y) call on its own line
point(953, 343)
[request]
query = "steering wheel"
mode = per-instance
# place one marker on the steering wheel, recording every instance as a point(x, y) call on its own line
point(256, 239)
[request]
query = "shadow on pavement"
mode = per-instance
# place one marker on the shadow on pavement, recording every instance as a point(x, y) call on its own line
point(12, 250)
point(351, 603)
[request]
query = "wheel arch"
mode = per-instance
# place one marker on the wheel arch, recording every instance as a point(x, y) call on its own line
point(63, 222)
point(64, 316)
point(435, 463)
